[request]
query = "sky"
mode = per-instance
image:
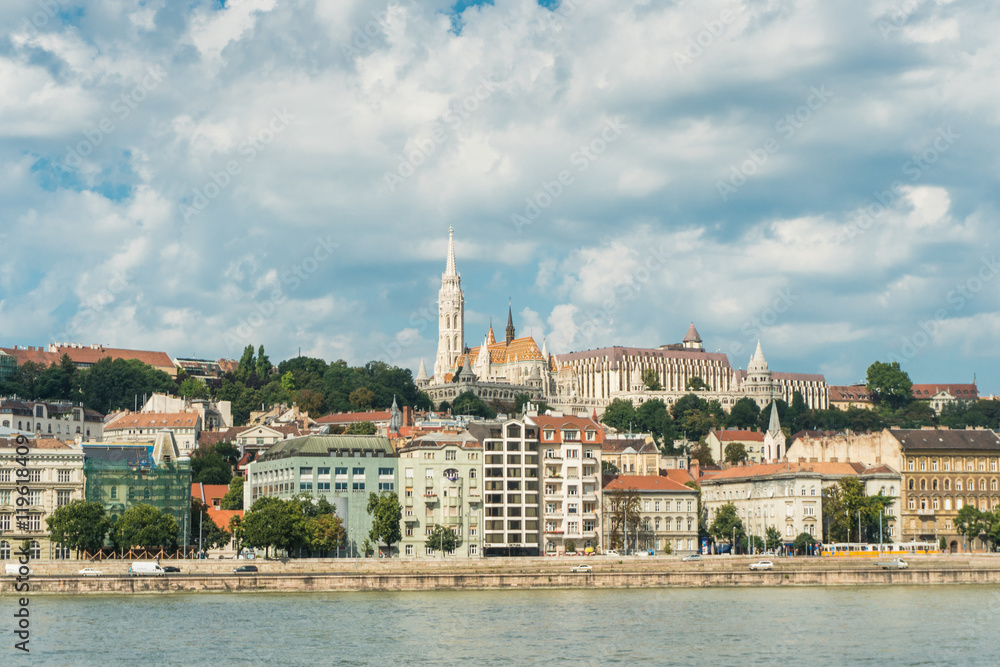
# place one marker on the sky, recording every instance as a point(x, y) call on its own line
point(197, 176)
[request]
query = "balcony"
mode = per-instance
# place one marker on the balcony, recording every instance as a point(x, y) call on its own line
point(553, 457)
point(410, 519)
point(590, 515)
point(589, 497)
point(451, 520)
point(590, 479)
point(555, 531)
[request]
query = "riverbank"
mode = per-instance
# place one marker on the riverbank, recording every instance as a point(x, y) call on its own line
point(330, 575)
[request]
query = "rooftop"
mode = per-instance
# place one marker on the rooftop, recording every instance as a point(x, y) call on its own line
point(947, 439)
point(327, 445)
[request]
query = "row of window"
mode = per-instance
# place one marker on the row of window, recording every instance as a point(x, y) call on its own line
point(38, 428)
point(970, 485)
point(946, 503)
point(35, 498)
point(947, 464)
point(35, 475)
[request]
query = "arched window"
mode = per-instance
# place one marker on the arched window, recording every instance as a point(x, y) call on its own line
point(923, 485)
point(668, 524)
point(947, 503)
point(993, 485)
point(947, 485)
point(61, 553)
point(5, 550)
point(892, 491)
point(911, 485)
point(447, 321)
point(958, 485)
point(934, 485)
point(982, 485)
point(690, 523)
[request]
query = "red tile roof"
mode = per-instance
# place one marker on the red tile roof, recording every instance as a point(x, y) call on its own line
point(221, 517)
point(206, 492)
point(850, 392)
point(956, 390)
point(643, 483)
point(765, 469)
point(43, 443)
point(353, 417)
point(127, 420)
point(93, 354)
point(582, 424)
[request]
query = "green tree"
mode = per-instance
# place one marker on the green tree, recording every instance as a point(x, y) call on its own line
point(236, 530)
point(233, 500)
point(651, 379)
point(468, 403)
point(386, 513)
point(144, 526)
point(311, 402)
point(193, 388)
point(889, 385)
point(695, 383)
point(325, 533)
point(703, 454)
point(772, 536)
point(735, 452)
point(442, 539)
point(247, 365)
point(744, 414)
point(210, 468)
point(654, 418)
point(970, 523)
point(263, 365)
point(620, 414)
point(274, 523)
point(113, 384)
point(80, 526)
point(609, 468)
point(726, 525)
point(288, 381)
point(845, 504)
point(803, 543)
point(361, 428)
point(362, 398)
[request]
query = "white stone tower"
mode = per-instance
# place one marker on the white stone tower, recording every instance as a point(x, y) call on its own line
point(758, 384)
point(451, 315)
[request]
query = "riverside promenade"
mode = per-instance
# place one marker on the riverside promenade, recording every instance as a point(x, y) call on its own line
point(326, 575)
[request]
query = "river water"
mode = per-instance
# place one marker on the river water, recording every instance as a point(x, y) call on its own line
point(718, 626)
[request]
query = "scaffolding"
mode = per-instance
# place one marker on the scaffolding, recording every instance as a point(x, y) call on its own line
point(121, 484)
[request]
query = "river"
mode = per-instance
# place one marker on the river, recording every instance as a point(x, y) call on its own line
point(879, 626)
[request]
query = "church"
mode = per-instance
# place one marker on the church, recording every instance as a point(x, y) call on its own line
point(589, 380)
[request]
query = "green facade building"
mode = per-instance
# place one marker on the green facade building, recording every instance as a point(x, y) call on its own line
point(343, 469)
point(8, 366)
point(120, 476)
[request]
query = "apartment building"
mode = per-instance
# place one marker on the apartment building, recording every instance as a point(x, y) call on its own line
point(441, 476)
point(667, 513)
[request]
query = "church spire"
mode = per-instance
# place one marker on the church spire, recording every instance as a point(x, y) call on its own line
point(510, 323)
point(774, 427)
point(450, 268)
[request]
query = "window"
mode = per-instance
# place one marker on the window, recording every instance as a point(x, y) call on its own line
point(909, 465)
point(63, 476)
point(34, 524)
point(5, 522)
point(428, 551)
point(656, 506)
point(322, 471)
point(305, 486)
point(450, 455)
point(357, 471)
point(386, 486)
point(358, 487)
point(809, 510)
point(322, 486)
point(913, 504)
point(305, 472)
point(340, 486)
point(340, 471)
point(473, 549)
point(35, 550)
point(385, 472)
point(62, 498)
point(409, 547)
point(4, 550)
point(935, 504)
point(571, 508)
point(34, 475)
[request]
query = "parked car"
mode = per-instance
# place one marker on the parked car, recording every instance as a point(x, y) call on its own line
point(762, 565)
point(894, 564)
point(171, 568)
point(691, 557)
point(245, 569)
point(581, 568)
point(611, 552)
point(90, 572)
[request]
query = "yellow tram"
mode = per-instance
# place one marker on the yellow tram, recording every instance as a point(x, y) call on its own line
point(859, 550)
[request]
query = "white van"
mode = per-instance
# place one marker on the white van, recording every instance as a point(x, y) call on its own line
point(14, 569)
point(139, 569)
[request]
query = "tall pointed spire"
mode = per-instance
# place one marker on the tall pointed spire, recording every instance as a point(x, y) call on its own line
point(490, 338)
point(510, 323)
point(450, 268)
point(774, 427)
point(422, 373)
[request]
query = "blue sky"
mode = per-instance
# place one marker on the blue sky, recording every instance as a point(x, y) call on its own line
point(193, 177)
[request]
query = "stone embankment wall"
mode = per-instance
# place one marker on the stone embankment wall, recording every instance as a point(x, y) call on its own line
point(326, 575)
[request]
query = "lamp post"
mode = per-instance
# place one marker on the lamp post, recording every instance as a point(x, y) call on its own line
point(859, 525)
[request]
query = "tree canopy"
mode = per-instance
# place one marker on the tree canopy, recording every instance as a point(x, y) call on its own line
point(386, 513)
point(442, 539)
point(80, 526)
point(144, 526)
point(726, 524)
point(889, 385)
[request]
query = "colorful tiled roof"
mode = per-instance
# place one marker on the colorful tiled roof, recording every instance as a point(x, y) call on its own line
point(129, 420)
point(739, 436)
point(957, 390)
point(767, 469)
point(851, 392)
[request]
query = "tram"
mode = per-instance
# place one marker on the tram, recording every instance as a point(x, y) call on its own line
point(860, 550)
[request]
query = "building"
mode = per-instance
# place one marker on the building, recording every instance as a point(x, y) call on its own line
point(258, 439)
point(85, 356)
point(512, 507)
point(789, 495)
point(145, 427)
point(586, 380)
point(844, 397)
point(55, 478)
point(441, 475)
point(631, 455)
point(8, 366)
point(571, 456)
point(941, 395)
point(343, 469)
point(214, 414)
point(209, 495)
point(944, 470)
point(123, 474)
point(668, 513)
point(203, 369)
point(752, 441)
point(61, 420)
